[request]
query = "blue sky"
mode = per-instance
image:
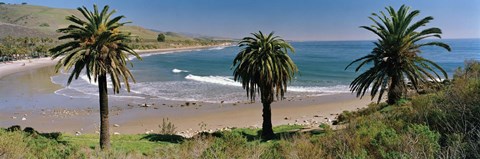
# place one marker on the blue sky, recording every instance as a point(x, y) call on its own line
point(291, 19)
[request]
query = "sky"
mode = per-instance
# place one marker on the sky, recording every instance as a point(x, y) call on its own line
point(301, 20)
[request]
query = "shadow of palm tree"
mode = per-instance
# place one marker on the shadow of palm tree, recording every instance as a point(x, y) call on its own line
point(172, 138)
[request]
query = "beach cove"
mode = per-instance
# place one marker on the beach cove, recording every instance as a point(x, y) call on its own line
point(32, 93)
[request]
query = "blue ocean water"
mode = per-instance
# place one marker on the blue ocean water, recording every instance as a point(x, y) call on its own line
point(206, 75)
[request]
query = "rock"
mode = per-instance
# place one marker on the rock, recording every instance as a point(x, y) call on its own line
point(116, 133)
point(335, 122)
point(14, 117)
point(187, 103)
point(78, 133)
point(144, 105)
point(222, 102)
point(316, 116)
point(286, 118)
point(23, 119)
point(116, 125)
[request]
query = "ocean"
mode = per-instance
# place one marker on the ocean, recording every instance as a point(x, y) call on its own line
point(206, 75)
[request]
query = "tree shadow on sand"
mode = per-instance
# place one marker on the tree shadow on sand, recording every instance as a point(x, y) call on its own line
point(172, 138)
point(278, 136)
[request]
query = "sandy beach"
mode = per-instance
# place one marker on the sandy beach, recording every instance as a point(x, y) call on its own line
point(8, 68)
point(132, 118)
point(39, 107)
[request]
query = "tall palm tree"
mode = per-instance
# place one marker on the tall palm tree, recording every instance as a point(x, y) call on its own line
point(263, 66)
point(396, 55)
point(95, 45)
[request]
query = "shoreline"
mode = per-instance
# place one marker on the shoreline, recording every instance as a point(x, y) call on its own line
point(129, 118)
point(13, 67)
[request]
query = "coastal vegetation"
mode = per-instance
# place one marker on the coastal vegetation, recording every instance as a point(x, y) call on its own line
point(396, 56)
point(96, 45)
point(264, 67)
point(15, 48)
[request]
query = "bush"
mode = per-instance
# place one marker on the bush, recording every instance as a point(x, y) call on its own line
point(453, 112)
point(44, 25)
point(19, 144)
point(167, 128)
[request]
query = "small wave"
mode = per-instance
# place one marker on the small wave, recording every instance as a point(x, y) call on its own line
point(217, 48)
point(327, 89)
point(151, 54)
point(223, 80)
point(228, 80)
point(178, 70)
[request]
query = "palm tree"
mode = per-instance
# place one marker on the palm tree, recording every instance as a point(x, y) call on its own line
point(396, 55)
point(264, 67)
point(95, 45)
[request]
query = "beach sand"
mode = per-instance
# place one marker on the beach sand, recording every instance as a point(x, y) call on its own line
point(132, 118)
point(39, 107)
point(25, 65)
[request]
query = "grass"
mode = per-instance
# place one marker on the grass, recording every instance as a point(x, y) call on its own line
point(149, 144)
point(123, 143)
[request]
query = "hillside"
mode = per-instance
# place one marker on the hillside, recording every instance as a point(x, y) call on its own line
point(39, 21)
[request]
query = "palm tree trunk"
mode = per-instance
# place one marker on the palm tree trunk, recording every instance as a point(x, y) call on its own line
point(104, 125)
point(395, 91)
point(267, 131)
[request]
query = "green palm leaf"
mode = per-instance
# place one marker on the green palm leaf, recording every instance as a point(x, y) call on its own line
point(396, 55)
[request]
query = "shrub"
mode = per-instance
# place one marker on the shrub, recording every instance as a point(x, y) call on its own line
point(19, 144)
point(454, 113)
point(167, 127)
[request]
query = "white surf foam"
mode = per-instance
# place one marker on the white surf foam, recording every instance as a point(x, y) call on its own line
point(218, 48)
point(228, 80)
point(223, 80)
point(178, 70)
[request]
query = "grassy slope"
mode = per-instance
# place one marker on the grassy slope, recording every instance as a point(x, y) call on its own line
point(40, 21)
point(70, 146)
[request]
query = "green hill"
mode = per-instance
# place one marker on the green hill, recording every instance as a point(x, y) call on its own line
point(38, 21)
